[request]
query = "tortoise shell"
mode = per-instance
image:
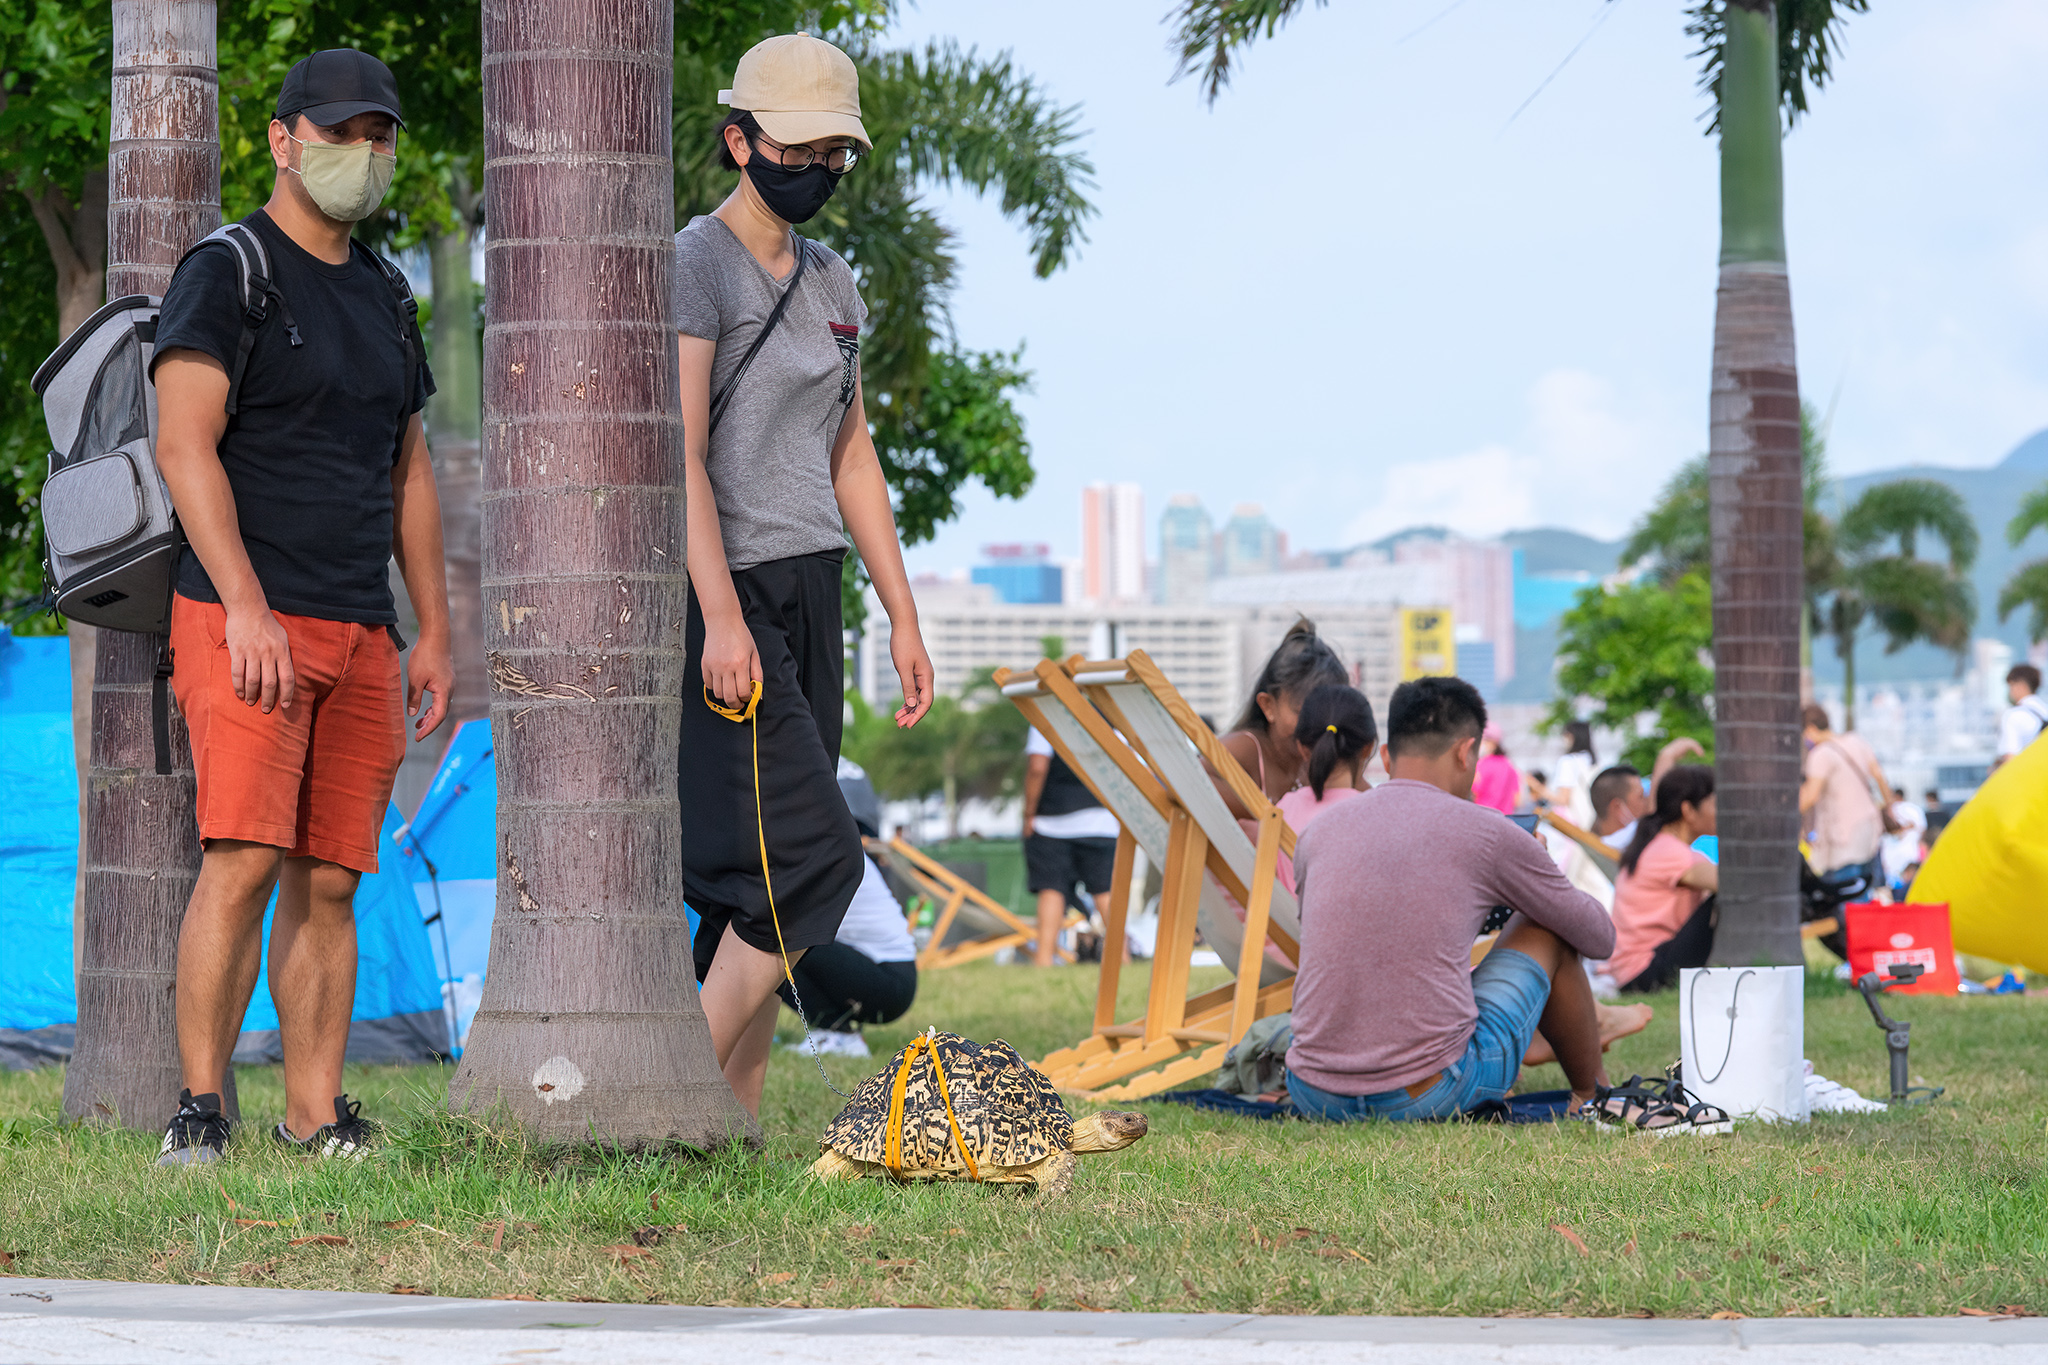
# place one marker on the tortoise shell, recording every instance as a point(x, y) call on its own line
point(1009, 1114)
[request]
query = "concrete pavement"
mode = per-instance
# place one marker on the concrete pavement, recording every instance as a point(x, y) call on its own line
point(111, 1323)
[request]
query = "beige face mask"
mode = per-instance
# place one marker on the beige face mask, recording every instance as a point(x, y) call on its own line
point(347, 180)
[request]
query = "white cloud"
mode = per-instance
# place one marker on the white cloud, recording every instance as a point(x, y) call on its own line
point(1578, 461)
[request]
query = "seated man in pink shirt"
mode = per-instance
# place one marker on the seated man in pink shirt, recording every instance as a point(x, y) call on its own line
point(1391, 1020)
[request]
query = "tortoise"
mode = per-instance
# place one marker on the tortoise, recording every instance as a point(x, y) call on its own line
point(949, 1109)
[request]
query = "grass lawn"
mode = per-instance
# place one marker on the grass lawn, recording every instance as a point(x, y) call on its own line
point(1929, 1211)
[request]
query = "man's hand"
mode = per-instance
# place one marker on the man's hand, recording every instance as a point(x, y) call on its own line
point(914, 671)
point(431, 670)
point(260, 657)
point(731, 663)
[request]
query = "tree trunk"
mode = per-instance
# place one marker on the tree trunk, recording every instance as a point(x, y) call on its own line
point(141, 841)
point(1757, 515)
point(452, 424)
point(77, 238)
point(1845, 646)
point(590, 1029)
point(453, 418)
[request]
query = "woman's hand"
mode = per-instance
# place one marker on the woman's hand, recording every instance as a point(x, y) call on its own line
point(914, 670)
point(731, 663)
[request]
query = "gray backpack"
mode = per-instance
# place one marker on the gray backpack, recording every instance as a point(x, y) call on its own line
point(111, 538)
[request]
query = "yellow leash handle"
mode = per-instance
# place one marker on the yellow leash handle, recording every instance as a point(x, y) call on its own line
point(745, 716)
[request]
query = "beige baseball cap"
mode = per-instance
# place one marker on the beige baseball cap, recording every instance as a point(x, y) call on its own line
point(799, 89)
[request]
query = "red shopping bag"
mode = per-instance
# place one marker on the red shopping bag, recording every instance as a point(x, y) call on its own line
point(1881, 936)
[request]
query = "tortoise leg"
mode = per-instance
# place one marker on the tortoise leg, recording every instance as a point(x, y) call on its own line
point(833, 1166)
point(1055, 1174)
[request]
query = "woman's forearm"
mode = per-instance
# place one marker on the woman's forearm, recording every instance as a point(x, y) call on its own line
point(863, 496)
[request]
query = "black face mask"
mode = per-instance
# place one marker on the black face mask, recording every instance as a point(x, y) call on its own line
point(793, 196)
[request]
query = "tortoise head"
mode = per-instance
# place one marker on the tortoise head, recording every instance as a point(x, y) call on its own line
point(1108, 1131)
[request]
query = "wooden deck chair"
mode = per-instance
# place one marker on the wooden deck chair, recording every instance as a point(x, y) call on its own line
point(989, 926)
point(1599, 851)
point(1138, 745)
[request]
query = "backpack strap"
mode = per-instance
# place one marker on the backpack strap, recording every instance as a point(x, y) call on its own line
point(258, 293)
point(408, 314)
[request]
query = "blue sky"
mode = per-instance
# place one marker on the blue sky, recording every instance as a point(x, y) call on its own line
point(1365, 292)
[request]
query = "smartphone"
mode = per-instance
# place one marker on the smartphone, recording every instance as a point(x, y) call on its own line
point(1527, 822)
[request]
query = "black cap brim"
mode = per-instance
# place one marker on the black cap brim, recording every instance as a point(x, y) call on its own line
point(341, 111)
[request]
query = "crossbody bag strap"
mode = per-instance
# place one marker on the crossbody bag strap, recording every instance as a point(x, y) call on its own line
point(724, 396)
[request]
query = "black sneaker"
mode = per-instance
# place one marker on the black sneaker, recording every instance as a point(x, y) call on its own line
point(348, 1137)
point(198, 1132)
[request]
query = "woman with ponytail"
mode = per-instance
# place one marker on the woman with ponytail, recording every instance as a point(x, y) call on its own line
point(1664, 913)
point(1334, 737)
point(1262, 741)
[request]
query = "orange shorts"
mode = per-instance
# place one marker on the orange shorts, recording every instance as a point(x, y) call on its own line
point(314, 778)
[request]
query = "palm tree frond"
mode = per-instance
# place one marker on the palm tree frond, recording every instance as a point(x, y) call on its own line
point(948, 117)
point(2028, 587)
point(2032, 516)
point(1904, 509)
point(1209, 33)
point(1809, 38)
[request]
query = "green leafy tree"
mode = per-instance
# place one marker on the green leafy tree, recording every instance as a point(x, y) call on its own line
point(1640, 653)
point(1877, 574)
point(971, 745)
point(2028, 585)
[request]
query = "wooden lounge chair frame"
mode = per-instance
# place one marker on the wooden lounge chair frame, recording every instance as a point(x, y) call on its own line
point(951, 892)
point(1597, 849)
point(1134, 740)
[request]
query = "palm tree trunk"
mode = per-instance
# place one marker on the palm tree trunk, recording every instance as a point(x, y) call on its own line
point(452, 437)
point(453, 433)
point(590, 1029)
point(1845, 646)
point(77, 238)
point(1757, 514)
point(141, 840)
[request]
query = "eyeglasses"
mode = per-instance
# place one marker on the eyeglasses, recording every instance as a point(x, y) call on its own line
point(838, 160)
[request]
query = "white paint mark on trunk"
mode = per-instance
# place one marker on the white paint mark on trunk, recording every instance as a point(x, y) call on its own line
point(557, 1078)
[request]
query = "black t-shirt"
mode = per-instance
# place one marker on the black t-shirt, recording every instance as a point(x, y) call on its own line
point(310, 451)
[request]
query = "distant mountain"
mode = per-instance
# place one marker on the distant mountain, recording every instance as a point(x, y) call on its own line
point(1551, 549)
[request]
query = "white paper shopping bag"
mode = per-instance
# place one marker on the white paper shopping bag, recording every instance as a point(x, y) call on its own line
point(1742, 1034)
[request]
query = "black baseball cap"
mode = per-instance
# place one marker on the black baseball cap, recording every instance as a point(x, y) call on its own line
point(337, 84)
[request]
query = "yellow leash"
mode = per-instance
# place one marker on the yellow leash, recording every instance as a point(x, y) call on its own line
point(892, 1141)
point(745, 716)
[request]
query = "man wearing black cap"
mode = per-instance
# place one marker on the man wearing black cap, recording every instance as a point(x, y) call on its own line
point(289, 435)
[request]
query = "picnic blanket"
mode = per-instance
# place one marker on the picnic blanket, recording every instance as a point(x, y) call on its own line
point(1538, 1106)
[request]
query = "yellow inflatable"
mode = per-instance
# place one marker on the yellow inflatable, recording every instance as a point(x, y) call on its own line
point(1991, 865)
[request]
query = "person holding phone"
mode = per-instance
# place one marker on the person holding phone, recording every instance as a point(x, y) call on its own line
point(780, 469)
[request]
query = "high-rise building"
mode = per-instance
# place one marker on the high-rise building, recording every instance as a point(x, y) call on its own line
point(1113, 542)
point(1481, 587)
point(1186, 549)
point(1249, 544)
point(1022, 574)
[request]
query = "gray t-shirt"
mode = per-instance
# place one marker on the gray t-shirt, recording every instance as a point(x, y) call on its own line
point(770, 460)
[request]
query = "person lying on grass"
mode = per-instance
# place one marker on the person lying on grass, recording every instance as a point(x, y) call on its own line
point(1391, 1020)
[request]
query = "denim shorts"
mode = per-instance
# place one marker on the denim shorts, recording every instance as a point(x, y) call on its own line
point(1511, 991)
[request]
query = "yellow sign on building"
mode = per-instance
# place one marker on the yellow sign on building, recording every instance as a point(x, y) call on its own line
point(1428, 647)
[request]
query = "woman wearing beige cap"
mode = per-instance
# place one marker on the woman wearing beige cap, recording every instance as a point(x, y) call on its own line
point(780, 469)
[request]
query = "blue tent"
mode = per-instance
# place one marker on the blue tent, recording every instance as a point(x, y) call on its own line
point(449, 857)
point(38, 850)
point(399, 1012)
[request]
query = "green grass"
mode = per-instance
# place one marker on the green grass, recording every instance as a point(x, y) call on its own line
point(1926, 1211)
